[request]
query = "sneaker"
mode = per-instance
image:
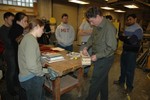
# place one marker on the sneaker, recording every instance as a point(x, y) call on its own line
point(128, 90)
point(119, 83)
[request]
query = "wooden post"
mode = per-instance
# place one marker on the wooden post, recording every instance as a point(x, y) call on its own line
point(35, 8)
point(148, 63)
point(80, 78)
point(56, 88)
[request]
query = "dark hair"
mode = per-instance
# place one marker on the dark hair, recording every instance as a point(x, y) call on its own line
point(109, 17)
point(46, 26)
point(93, 12)
point(19, 16)
point(8, 14)
point(64, 14)
point(36, 22)
point(132, 15)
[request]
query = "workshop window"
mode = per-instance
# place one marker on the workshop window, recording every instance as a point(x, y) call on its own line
point(24, 3)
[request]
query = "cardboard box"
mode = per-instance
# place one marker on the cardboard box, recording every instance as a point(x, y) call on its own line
point(86, 60)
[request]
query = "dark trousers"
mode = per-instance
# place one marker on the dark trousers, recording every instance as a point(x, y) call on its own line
point(99, 82)
point(12, 72)
point(128, 65)
point(68, 48)
point(34, 88)
point(12, 81)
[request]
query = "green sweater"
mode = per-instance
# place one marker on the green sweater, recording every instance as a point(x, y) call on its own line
point(103, 39)
point(29, 58)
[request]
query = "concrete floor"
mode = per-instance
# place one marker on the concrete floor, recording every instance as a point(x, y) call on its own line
point(141, 89)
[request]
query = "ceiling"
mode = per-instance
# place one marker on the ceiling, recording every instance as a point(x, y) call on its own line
point(144, 5)
point(119, 4)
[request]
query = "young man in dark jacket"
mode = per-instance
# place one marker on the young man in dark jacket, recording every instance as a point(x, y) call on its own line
point(131, 38)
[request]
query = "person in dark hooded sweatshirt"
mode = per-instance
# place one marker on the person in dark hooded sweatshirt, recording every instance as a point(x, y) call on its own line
point(15, 34)
point(4, 31)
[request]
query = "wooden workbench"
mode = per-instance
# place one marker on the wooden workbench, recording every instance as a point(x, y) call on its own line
point(64, 83)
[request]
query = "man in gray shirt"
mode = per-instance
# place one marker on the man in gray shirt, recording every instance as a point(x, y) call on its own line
point(65, 34)
point(103, 43)
point(85, 31)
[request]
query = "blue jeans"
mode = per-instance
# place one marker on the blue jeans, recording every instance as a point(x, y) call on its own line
point(99, 82)
point(68, 48)
point(34, 88)
point(128, 65)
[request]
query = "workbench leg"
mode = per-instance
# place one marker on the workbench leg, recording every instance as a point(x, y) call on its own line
point(80, 78)
point(56, 88)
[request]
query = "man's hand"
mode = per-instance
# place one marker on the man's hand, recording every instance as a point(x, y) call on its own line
point(93, 58)
point(44, 64)
point(85, 52)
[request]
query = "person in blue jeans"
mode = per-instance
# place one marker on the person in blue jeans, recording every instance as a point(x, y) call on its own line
point(131, 38)
point(103, 43)
point(65, 34)
point(31, 76)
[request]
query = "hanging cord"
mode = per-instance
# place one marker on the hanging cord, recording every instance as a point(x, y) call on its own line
point(128, 96)
point(148, 75)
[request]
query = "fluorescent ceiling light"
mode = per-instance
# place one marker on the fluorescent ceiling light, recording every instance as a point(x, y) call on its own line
point(131, 6)
point(121, 11)
point(107, 8)
point(78, 2)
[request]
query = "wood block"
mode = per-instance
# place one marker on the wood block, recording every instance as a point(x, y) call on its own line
point(148, 63)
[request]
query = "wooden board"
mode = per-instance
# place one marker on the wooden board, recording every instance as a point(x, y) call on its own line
point(148, 63)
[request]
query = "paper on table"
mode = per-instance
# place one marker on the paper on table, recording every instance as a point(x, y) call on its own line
point(43, 58)
point(73, 55)
point(58, 48)
point(45, 70)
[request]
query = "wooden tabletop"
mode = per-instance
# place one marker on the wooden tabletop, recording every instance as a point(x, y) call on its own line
point(62, 67)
